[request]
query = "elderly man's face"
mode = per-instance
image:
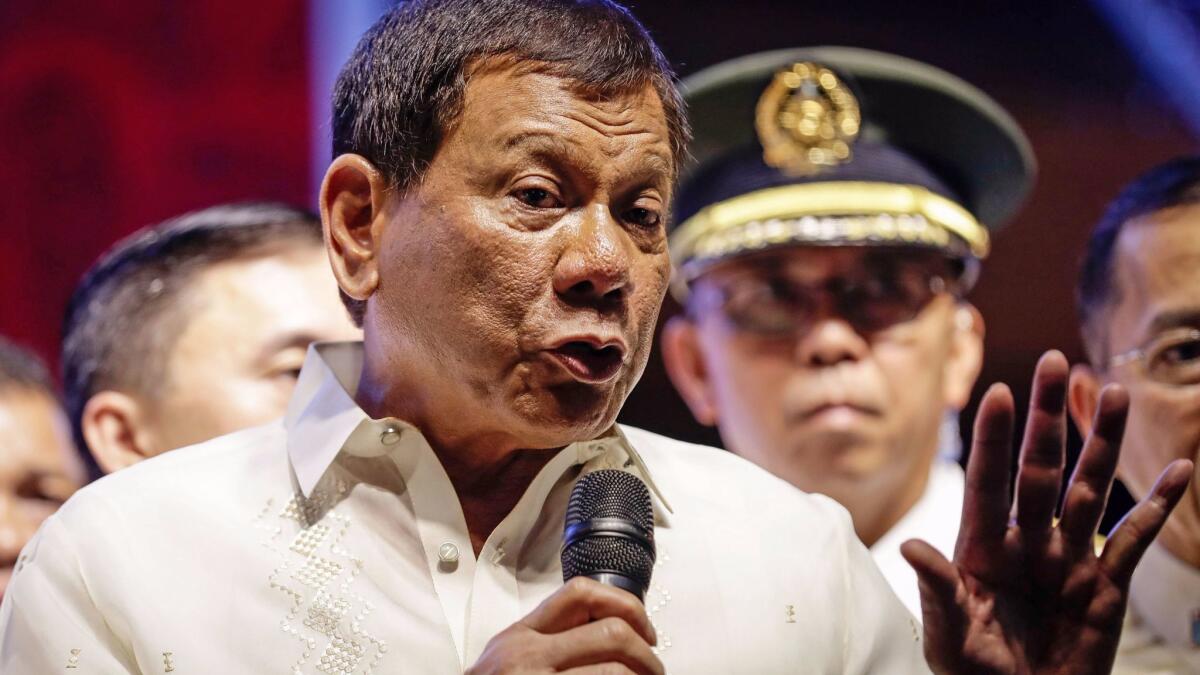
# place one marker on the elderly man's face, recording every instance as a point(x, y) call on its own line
point(1157, 281)
point(842, 392)
point(520, 282)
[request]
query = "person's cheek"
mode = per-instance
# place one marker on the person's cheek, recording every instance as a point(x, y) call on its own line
point(1149, 445)
point(280, 390)
point(38, 510)
point(249, 401)
point(753, 387)
point(896, 373)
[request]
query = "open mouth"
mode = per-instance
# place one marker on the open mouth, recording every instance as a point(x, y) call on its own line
point(587, 362)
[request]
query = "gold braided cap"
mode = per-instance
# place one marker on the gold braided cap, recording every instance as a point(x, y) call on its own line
point(824, 213)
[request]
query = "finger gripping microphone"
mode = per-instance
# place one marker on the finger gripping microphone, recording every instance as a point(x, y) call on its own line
point(609, 533)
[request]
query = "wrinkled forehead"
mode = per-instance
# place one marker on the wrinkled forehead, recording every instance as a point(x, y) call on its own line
point(506, 102)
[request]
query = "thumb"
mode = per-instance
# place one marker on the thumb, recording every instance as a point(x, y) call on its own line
point(941, 611)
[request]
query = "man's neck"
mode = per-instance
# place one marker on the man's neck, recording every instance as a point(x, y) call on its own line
point(490, 471)
point(880, 509)
point(489, 490)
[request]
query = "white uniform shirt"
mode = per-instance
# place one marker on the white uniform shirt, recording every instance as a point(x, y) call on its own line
point(1162, 627)
point(934, 518)
point(321, 545)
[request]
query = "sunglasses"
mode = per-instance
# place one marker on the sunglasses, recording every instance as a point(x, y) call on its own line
point(769, 303)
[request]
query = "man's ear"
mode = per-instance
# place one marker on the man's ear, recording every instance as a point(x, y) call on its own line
point(1083, 395)
point(685, 366)
point(966, 355)
point(115, 429)
point(352, 197)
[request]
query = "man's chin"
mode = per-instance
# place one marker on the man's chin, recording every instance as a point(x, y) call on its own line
point(841, 455)
point(566, 413)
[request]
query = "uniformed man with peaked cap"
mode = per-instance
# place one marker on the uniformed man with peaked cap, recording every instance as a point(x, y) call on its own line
point(836, 213)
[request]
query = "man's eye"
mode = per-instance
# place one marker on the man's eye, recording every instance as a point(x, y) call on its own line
point(45, 488)
point(643, 217)
point(1185, 352)
point(781, 291)
point(538, 198)
point(288, 374)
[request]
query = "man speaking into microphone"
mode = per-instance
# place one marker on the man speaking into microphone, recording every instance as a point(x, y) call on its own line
point(495, 217)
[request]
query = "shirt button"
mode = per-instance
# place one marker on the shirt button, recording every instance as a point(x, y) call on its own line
point(390, 436)
point(448, 553)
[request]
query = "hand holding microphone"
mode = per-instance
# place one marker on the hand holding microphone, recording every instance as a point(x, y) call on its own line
point(595, 623)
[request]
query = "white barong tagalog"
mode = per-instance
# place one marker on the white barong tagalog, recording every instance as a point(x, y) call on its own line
point(334, 543)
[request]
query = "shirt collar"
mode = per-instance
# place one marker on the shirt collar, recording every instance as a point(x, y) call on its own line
point(322, 421)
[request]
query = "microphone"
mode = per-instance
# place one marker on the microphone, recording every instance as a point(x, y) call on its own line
point(609, 534)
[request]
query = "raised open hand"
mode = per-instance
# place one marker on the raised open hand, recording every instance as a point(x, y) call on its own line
point(1026, 594)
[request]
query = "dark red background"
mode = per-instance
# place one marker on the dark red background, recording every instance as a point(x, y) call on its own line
point(111, 118)
point(115, 115)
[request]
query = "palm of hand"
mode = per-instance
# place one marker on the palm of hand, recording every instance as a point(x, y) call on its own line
point(1026, 594)
point(1076, 609)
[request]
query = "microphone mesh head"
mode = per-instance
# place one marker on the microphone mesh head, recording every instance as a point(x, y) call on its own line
point(617, 495)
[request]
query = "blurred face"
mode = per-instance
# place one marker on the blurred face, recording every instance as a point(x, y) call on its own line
point(832, 367)
point(1157, 267)
point(520, 282)
point(235, 363)
point(38, 469)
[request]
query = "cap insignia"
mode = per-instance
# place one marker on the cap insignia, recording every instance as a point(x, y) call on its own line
point(807, 119)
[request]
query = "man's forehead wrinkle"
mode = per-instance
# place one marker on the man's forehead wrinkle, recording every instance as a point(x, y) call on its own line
point(615, 113)
point(547, 139)
point(633, 143)
point(623, 116)
point(512, 102)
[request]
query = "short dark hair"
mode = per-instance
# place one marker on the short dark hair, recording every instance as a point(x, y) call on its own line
point(124, 314)
point(20, 368)
point(403, 86)
point(1175, 183)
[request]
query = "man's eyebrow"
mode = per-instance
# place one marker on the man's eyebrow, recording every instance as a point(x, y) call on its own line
point(660, 164)
point(545, 147)
point(38, 473)
point(1175, 318)
point(544, 143)
point(537, 139)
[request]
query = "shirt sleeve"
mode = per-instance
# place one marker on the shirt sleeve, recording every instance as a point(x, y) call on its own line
point(48, 620)
point(881, 636)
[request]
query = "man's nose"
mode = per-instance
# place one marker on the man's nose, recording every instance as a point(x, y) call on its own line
point(828, 341)
point(594, 265)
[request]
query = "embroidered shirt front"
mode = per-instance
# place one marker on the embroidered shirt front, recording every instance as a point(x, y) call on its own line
point(335, 543)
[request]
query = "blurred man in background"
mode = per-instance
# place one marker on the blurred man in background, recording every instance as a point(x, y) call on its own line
point(39, 468)
point(194, 328)
point(1139, 301)
point(835, 219)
